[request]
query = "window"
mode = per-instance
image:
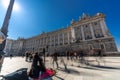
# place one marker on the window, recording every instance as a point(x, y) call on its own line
point(102, 46)
point(95, 23)
point(98, 35)
point(60, 43)
point(88, 37)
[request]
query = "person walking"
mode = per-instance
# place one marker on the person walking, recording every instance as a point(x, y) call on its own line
point(37, 66)
point(81, 56)
point(30, 57)
point(55, 59)
point(67, 54)
point(11, 56)
point(26, 56)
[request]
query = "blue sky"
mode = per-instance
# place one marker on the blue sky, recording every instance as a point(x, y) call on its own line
point(34, 17)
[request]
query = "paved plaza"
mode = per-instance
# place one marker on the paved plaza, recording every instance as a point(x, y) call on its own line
point(108, 69)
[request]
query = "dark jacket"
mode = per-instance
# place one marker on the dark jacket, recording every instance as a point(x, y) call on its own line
point(38, 62)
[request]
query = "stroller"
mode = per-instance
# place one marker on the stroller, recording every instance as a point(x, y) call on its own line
point(20, 74)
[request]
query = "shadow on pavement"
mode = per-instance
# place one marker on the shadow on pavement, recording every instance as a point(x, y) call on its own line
point(58, 78)
point(75, 72)
point(104, 67)
point(93, 68)
point(70, 71)
point(112, 61)
point(98, 67)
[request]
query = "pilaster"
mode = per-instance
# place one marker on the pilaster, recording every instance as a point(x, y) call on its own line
point(102, 25)
point(83, 36)
point(92, 31)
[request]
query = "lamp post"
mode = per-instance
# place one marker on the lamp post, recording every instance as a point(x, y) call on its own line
point(2, 45)
point(4, 31)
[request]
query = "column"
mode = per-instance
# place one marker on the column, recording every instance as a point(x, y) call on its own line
point(73, 34)
point(102, 25)
point(50, 41)
point(5, 25)
point(92, 32)
point(39, 42)
point(68, 37)
point(54, 40)
point(63, 38)
point(58, 39)
point(83, 36)
point(47, 40)
point(43, 41)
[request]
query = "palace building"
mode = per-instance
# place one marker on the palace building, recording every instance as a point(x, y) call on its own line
point(89, 32)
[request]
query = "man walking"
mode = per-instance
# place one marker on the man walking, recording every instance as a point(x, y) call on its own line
point(55, 59)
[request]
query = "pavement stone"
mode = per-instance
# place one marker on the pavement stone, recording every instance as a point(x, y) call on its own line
point(108, 71)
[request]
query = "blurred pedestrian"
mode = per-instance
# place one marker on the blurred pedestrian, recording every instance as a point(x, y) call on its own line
point(37, 66)
point(30, 57)
point(26, 56)
point(67, 54)
point(55, 59)
point(11, 56)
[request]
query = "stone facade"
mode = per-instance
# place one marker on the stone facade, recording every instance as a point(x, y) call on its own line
point(8, 46)
point(89, 32)
point(14, 47)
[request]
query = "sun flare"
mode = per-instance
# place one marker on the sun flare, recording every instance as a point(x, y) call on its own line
point(16, 6)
